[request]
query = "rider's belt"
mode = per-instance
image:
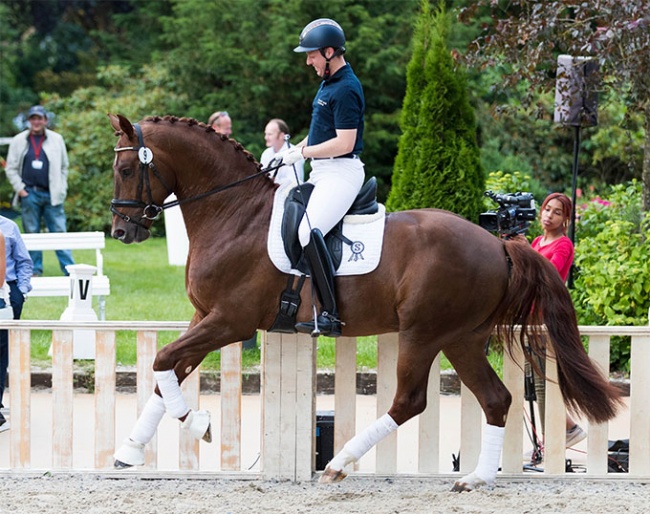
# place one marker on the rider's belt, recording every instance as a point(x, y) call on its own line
point(346, 156)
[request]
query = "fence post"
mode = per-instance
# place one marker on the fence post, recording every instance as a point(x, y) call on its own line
point(513, 379)
point(471, 422)
point(288, 406)
point(639, 401)
point(597, 440)
point(345, 390)
point(231, 390)
point(62, 392)
point(429, 424)
point(20, 383)
point(105, 380)
point(147, 344)
point(555, 425)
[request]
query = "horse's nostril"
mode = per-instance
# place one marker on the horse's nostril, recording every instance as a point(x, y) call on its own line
point(118, 233)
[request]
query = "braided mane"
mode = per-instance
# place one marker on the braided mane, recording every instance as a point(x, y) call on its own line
point(191, 122)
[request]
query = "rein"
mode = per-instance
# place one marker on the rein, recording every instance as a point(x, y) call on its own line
point(150, 210)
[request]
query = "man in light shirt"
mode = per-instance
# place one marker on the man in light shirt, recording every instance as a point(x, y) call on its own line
point(276, 135)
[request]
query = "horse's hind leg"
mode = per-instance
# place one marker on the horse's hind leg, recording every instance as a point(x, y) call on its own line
point(413, 367)
point(473, 368)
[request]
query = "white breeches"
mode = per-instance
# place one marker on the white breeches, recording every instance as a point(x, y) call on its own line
point(336, 184)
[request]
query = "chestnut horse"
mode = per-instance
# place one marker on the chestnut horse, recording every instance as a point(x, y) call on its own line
point(443, 284)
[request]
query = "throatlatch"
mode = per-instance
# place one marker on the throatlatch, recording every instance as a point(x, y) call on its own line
point(322, 272)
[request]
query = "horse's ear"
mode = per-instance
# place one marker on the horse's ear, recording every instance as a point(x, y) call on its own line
point(121, 124)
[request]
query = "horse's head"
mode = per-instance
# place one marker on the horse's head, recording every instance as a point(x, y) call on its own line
point(139, 187)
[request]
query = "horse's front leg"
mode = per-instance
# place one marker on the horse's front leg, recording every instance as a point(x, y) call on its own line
point(172, 365)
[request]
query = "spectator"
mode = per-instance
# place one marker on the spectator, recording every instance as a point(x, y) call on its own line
point(221, 123)
point(554, 244)
point(37, 168)
point(276, 136)
point(18, 265)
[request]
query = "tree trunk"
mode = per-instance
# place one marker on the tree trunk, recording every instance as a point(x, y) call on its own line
point(646, 160)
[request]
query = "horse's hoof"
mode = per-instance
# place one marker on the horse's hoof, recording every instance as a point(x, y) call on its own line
point(468, 483)
point(198, 423)
point(129, 454)
point(331, 476)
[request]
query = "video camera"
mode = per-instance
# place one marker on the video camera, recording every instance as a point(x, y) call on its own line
point(513, 217)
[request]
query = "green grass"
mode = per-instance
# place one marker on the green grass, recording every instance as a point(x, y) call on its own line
point(144, 287)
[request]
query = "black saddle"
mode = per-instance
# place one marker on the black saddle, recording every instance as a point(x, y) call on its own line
point(294, 209)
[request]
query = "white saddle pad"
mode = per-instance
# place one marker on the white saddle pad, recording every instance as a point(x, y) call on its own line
point(365, 230)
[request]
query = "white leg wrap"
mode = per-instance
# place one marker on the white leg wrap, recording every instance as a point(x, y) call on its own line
point(488, 460)
point(357, 447)
point(148, 422)
point(171, 393)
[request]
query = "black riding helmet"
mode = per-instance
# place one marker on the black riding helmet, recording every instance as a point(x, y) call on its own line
point(321, 34)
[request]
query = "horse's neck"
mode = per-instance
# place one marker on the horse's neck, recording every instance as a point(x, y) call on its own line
point(244, 209)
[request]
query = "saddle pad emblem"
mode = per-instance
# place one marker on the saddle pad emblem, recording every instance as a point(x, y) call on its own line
point(357, 248)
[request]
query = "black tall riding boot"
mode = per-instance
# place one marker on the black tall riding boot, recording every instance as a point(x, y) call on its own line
point(321, 270)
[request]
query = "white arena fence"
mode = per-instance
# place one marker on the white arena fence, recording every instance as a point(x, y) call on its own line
point(282, 418)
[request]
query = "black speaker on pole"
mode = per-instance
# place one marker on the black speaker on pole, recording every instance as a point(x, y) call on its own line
point(576, 105)
point(576, 95)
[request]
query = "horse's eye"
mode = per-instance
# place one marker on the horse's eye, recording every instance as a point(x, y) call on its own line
point(127, 172)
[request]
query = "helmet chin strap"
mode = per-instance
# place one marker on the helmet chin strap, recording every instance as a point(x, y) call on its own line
point(337, 52)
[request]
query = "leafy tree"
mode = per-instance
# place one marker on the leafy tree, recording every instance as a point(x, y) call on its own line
point(238, 57)
point(437, 164)
point(90, 139)
point(613, 283)
point(525, 38)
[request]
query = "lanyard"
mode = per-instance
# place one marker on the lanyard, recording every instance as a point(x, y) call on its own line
point(37, 148)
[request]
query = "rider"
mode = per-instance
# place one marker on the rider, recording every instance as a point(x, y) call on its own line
point(334, 143)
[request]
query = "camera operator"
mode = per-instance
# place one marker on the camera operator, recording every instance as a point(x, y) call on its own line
point(554, 244)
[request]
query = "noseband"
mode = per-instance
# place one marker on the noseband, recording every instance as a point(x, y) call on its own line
point(150, 210)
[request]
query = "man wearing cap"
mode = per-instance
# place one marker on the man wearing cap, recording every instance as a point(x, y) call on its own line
point(334, 144)
point(37, 168)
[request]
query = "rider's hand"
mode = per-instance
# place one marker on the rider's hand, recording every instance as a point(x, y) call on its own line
point(291, 155)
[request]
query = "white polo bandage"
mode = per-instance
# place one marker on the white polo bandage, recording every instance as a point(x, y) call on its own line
point(148, 422)
point(359, 445)
point(171, 393)
point(488, 460)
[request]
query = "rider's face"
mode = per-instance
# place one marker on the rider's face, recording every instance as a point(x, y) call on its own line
point(316, 59)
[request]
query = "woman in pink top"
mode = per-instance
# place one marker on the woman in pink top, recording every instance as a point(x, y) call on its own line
point(554, 244)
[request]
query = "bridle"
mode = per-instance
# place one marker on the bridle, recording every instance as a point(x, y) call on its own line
point(150, 210)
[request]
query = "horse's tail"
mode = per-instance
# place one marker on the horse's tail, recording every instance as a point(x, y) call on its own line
point(537, 296)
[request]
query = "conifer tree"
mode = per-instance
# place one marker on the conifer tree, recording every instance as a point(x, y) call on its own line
point(437, 163)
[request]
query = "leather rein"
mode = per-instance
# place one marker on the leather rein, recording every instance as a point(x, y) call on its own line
point(150, 210)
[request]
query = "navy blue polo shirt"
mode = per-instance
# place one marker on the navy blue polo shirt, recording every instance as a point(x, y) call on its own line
point(338, 104)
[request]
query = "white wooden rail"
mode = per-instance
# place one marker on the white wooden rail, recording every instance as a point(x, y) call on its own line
point(288, 399)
